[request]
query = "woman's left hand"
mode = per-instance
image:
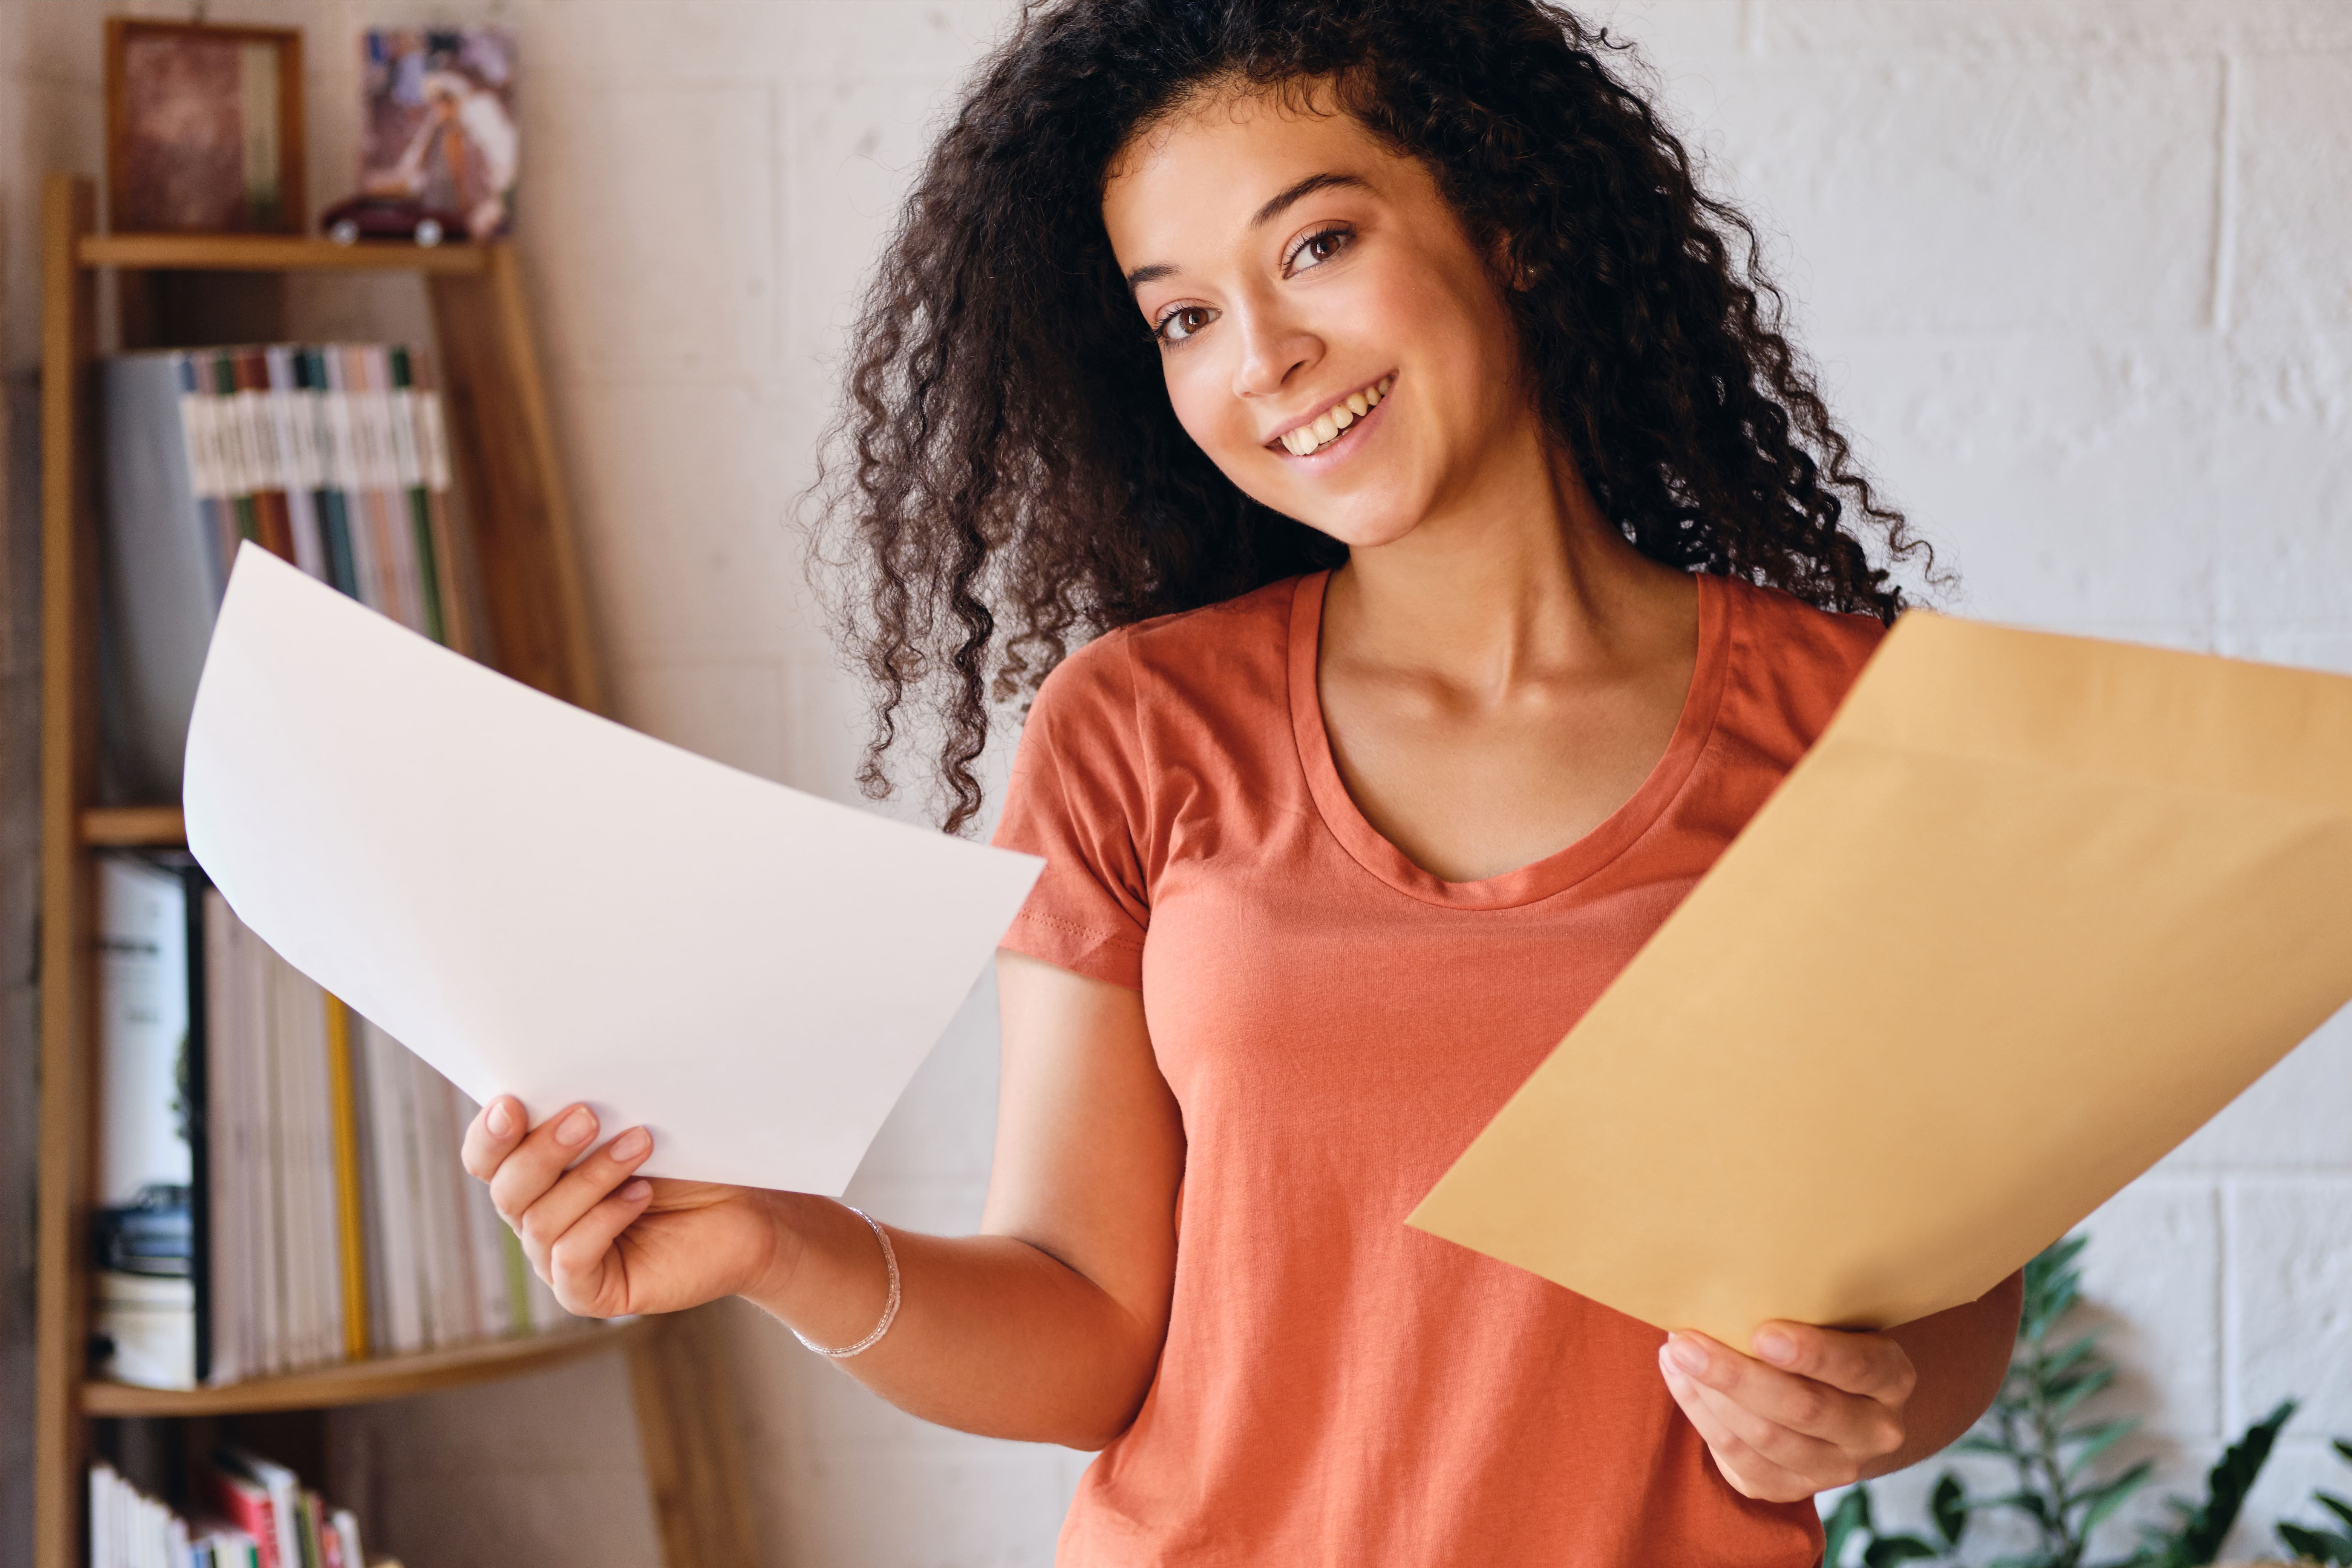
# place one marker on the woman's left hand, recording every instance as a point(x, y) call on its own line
point(1811, 1409)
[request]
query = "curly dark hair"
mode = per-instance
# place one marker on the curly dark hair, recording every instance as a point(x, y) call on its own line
point(1008, 474)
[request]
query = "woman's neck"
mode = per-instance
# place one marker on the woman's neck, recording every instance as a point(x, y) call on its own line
point(1524, 580)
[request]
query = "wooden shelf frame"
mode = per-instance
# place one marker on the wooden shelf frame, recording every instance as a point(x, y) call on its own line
point(366, 1381)
point(534, 601)
point(274, 253)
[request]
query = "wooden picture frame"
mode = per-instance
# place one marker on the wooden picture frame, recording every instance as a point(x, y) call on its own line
point(203, 129)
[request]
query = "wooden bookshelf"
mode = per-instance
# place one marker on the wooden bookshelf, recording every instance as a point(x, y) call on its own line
point(134, 828)
point(277, 253)
point(183, 291)
point(365, 1381)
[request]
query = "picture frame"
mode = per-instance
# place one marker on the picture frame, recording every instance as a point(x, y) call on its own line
point(204, 127)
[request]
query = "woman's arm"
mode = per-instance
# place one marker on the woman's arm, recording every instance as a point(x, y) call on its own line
point(1045, 1327)
point(1816, 1408)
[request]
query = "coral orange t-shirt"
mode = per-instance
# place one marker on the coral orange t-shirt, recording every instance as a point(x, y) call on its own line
point(1336, 1026)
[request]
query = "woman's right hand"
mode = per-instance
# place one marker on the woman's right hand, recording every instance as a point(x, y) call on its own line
point(610, 1243)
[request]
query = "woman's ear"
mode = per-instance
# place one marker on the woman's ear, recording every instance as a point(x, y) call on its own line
point(1518, 277)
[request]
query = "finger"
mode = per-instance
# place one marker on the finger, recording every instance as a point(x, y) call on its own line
point(579, 1189)
point(491, 1136)
point(1820, 1462)
point(1800, 1403)
point(1872, 1365)
point(539, 1159)
point(1749, 1473)
point(583, 1268)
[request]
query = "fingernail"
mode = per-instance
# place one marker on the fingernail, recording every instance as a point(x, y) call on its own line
point(636, 1192)
point(577, 1128)
point(501, 1121)
point(1775, 1346)
point(630, 1145)
point(1687, 1356)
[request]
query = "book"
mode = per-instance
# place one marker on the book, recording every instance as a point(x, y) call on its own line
point(335, 457)
point(143, 1316)
point(283, 1176)
point(239, 447)
point(265, 471)
point(163, 563)
point(249, 1505)
point(409, 473)
point(325, 469)
point(292, 440)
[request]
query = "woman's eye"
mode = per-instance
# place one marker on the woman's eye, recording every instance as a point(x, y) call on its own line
point(1182, 322)
point(1319, 247)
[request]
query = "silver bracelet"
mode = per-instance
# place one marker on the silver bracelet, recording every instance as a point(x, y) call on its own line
point(889, 1309)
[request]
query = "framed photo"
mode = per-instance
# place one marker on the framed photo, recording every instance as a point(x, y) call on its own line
point(204, 127)
point(438, 133)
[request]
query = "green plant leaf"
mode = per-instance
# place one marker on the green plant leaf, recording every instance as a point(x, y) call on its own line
point(1948, 1507)
point(2052, 1287)
point(2074, 1390)
point(2335, 1505)
point(2204, 1526)
point(2064, 1361)
point(1986, 1446)
point(2097, 1440)
point(2318, 1546)
point(1851, 1514)
point(2343, 1446)
point(2111, 1495)
point(1892, 1549)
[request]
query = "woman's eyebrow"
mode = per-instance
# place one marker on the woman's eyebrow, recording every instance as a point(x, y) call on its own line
point(1265, 214)
point(1305, 187)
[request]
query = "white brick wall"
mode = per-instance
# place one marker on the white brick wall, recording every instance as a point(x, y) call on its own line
point(2079, 275)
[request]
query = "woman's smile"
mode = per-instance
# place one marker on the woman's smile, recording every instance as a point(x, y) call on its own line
point(1321, 435)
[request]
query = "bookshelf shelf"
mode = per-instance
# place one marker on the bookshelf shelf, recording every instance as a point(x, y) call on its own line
point(534, 608)
point(273, 253)
point(133, 826)
point(364, 1382)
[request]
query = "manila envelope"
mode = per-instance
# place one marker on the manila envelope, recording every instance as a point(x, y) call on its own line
point(2029, 912)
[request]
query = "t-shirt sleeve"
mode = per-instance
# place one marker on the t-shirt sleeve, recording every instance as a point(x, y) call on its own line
point(1077, 797)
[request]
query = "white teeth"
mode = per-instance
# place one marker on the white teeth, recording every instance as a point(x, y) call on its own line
point(1305, 440)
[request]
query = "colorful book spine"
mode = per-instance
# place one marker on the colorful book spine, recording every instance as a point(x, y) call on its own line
point(200, 429)
point(410, 473)
point(291, 440)
point(433, 454)
point(351, 1249)
point(249, 390)
point(328, 499)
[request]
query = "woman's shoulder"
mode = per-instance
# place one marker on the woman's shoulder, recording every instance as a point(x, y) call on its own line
point(1195, 653)
point(1803, 639)
point(1792, 663)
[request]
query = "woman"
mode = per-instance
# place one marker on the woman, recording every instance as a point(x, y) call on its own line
point(1471, 558)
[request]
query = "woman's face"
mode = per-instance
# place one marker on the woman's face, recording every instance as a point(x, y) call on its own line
point(1330, 335)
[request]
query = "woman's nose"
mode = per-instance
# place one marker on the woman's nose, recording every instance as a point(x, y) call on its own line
point(1272, 350)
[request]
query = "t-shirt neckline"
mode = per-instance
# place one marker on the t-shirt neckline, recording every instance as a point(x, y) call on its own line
point(1554, 873)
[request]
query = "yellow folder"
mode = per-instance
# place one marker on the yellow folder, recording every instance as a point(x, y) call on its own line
point(2032, 911)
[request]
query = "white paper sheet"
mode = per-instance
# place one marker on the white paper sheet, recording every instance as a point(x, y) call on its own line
point(542, 903)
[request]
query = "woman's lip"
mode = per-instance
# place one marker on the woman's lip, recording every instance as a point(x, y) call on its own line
point(1343, 441)
point(1275, 440)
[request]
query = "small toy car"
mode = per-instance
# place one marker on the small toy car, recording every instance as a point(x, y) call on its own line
point(389, 218)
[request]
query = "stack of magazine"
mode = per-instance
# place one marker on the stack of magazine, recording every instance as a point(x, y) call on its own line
point(279, 1180)
point(334, 456)
point(245, 1513)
